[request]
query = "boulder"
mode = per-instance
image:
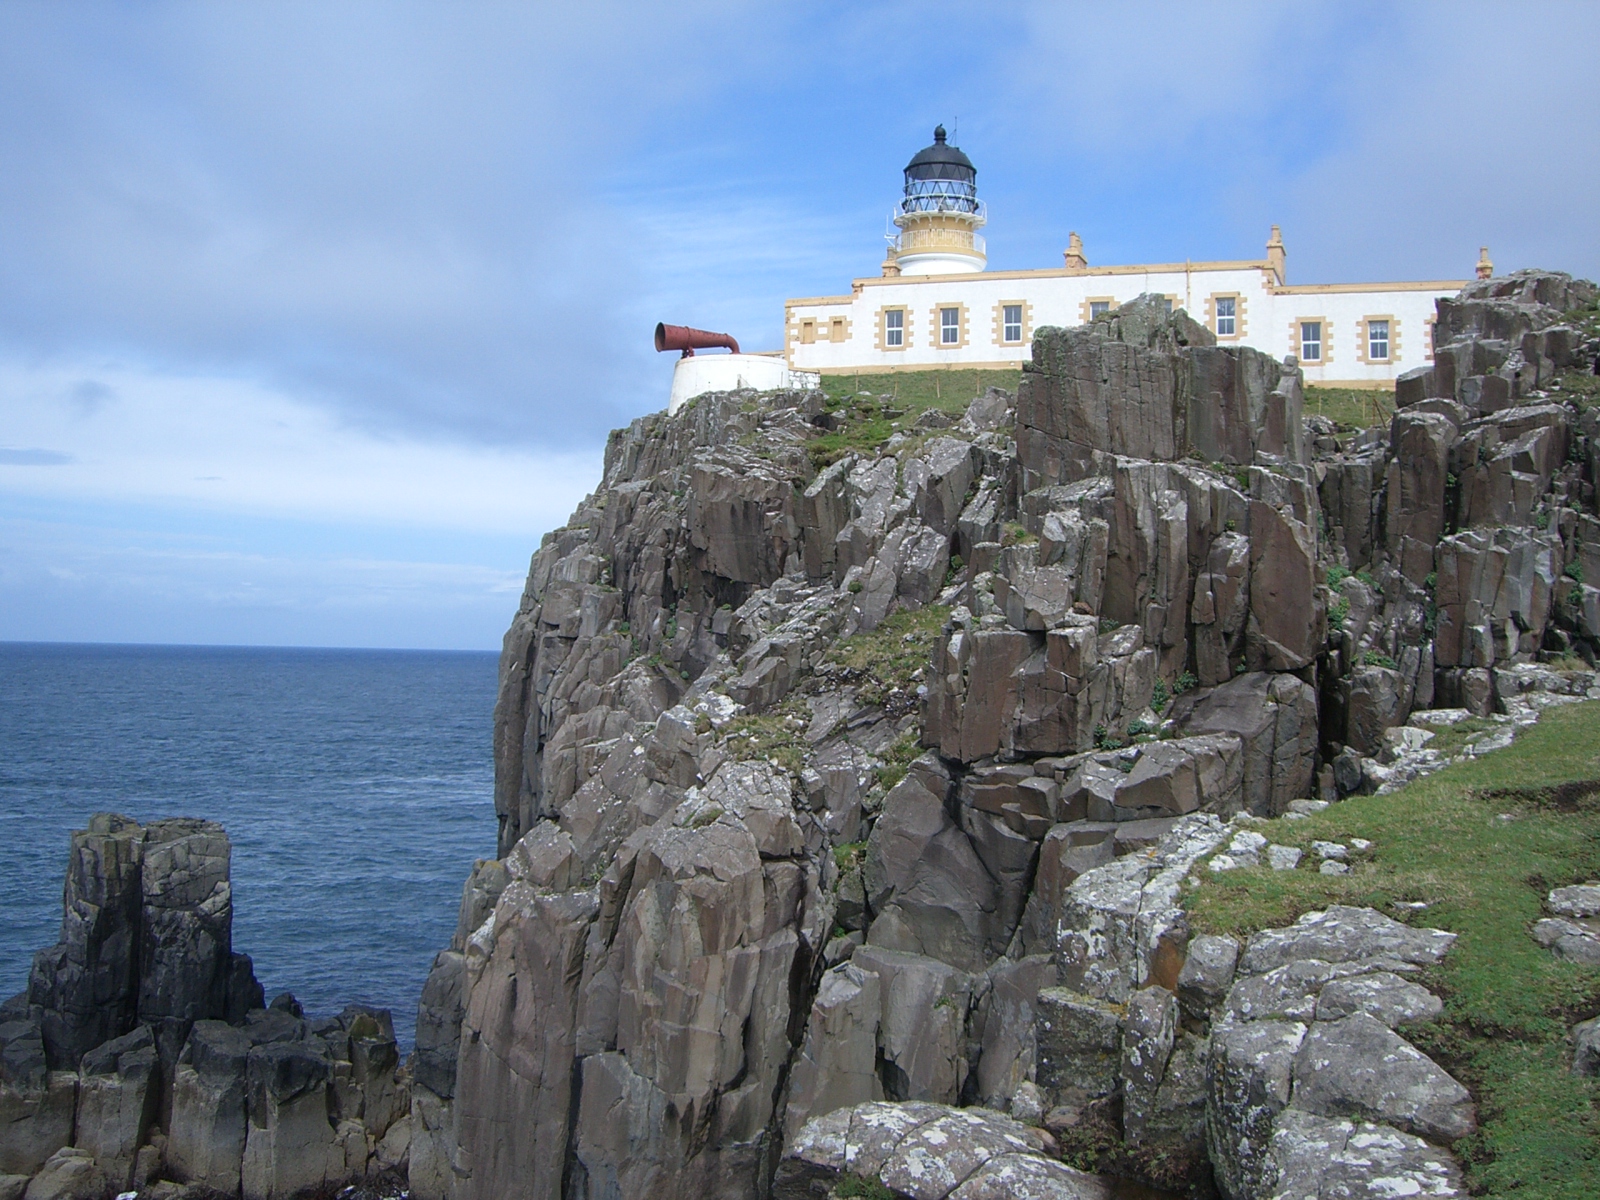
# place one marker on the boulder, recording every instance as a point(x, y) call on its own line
point(1252, 1070)
point(70, 1174)
point(921, 1027)
point(1207, 974)
point(1275, 719)
point(1344, 934)
point(1311, 1087)
point(1181, 776)
point(1122, 927)
point(1586, 1047)
point(930, 891)
point(290, 1143)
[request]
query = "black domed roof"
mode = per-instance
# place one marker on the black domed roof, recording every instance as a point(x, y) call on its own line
point(940, 161)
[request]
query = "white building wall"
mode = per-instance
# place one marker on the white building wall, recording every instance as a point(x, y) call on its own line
point(846, 332)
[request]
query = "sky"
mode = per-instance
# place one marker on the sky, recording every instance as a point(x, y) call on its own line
point(314, 317)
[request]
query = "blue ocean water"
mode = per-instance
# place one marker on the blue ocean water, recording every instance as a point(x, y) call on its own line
point(356, 785)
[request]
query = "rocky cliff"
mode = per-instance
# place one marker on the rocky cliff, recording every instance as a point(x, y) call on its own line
point(816, 713)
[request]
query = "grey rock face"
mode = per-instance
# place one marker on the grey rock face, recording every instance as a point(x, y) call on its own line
point(146, 936)
point(1586, 1047)
point(1357, 1067)
point(836, 1068)
point(206, 1145)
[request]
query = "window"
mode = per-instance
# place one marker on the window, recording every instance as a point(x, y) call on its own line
point(1226, 306)
point(1311, 341)
point(1011, 323)
point(836, 329)
point(949, 326)
point(894, 328)
point(1098, 308)
point(1377, 340)
point(808, 332)
point(1166, 305)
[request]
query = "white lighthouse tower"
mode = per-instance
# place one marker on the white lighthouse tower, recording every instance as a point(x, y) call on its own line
point(939, 216)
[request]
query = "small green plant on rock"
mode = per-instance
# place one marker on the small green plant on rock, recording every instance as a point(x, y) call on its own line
point(1183, 683)
point(1377, 658)
point(854, 1187)
point(1159, 697)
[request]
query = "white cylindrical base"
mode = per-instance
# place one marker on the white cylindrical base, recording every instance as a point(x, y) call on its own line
point(729, 372)
point(940, 262)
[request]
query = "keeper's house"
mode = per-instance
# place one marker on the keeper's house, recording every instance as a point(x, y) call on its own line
point(935, 304)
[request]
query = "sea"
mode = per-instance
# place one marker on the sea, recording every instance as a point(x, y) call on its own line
point(356, 786)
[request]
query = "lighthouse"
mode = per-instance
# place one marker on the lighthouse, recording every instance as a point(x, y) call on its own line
point(939, 215)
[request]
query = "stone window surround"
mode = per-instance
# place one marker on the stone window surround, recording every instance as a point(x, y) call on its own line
point(881, 341)
point(934, 324)
point(1000, 322)
point(839, 328)
point(1241, 324)
point(808, 331)
point(1327, 338)
point(1084, 314)
point(1364, 343)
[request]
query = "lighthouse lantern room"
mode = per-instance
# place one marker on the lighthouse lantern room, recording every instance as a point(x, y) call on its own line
point(939, 216)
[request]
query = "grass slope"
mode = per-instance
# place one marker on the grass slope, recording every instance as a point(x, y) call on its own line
point(1481, 843)
point(1351, 408)
point(871, 408)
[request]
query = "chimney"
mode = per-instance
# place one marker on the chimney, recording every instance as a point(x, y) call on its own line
point(1074, 253)
point(1485, 267)
point(1276, 255)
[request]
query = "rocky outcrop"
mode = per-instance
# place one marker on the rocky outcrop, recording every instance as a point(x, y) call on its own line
point(191, 1080)
point(930, 1152)
point(1311, 1083)
point(864, 772)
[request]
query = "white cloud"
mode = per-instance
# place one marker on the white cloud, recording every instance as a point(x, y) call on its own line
point(232, 445)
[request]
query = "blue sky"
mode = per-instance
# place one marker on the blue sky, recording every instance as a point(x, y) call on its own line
point(313, 317)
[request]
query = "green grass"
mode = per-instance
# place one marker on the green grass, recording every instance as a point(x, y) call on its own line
point(893, 403)
point(885, 659)
point(880, 664)
point(914, 391)
point(1353, 408)
point(1508, 1003)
